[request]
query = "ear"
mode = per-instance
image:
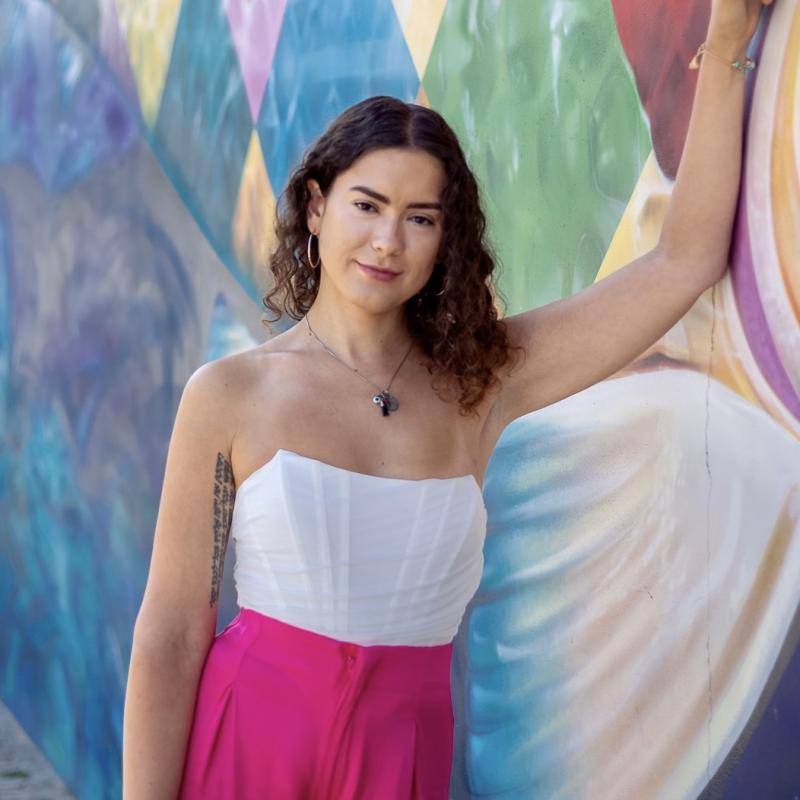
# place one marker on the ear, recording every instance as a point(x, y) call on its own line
point(315, 207)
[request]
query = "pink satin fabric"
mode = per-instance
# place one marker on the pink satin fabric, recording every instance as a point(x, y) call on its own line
point(286, 713)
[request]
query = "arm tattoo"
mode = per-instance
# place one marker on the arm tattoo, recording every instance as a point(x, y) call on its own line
point(224, 493)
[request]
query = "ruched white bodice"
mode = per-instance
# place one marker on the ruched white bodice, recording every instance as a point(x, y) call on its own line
point(360, 558)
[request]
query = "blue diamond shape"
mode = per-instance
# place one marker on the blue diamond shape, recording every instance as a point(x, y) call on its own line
point(329, 56)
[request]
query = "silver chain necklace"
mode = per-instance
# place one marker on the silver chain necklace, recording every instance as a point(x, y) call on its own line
point(384, 399)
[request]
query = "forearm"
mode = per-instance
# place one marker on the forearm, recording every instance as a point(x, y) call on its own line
point(699, 220)
point(159, 707)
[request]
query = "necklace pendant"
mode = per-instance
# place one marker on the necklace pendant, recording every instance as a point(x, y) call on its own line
point(381, 403)
point(387, 402)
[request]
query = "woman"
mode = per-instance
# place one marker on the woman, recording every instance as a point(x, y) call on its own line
point(355, 444)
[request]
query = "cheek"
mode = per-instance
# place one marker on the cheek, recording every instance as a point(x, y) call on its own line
point(428, 244)
point(336, 235)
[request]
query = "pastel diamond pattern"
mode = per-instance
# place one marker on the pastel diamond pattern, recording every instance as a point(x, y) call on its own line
point(351, 50)
point(203, 128)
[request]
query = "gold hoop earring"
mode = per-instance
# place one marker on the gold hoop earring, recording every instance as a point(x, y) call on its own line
point(308, 251)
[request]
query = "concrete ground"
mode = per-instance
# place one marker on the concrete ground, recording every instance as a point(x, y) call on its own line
point(25, 774)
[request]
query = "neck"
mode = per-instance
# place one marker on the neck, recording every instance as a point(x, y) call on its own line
point(360, 337)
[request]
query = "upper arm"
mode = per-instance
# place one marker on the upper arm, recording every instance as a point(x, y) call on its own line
point(579, 340)
point(193, 523)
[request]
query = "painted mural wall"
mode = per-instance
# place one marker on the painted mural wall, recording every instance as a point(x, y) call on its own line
point(636, 631)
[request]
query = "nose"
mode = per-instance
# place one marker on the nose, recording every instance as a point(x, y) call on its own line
point(387, 237)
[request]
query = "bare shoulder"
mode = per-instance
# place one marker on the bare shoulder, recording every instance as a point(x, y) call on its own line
point(244, 392)
point(222, 378)
point(221, 388)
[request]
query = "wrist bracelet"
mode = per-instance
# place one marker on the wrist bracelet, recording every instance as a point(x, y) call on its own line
point(743, 66)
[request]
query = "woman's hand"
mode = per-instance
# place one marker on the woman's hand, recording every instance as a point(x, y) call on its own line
point(732, 25)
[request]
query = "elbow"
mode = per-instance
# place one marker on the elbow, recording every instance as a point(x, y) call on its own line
point(713, 272)
point(183, 647)
point(703, 268)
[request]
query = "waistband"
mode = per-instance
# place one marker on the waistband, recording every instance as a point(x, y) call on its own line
point(272, 639)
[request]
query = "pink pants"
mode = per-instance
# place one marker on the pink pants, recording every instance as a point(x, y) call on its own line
point(285, 713)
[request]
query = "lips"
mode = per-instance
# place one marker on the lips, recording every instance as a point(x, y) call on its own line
point(380, 270)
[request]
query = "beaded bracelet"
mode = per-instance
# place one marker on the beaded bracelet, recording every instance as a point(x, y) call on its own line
point(743, 66)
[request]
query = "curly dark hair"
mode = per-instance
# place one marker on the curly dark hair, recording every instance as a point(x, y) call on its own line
point(459, 331)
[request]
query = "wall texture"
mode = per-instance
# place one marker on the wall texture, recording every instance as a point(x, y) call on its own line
point(636, 629)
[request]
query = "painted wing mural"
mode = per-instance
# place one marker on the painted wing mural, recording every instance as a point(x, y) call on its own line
point(638, 606)
point(633, 634)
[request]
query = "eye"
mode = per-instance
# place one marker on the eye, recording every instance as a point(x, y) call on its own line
point(423, 220)
point(364, 205)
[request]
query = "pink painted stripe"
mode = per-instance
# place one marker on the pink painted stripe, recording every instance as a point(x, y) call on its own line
point(751, 311)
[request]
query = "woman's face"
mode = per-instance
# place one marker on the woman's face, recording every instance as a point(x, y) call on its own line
point(384, 211)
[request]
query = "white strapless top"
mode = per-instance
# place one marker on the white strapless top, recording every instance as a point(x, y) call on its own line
point(360, 558)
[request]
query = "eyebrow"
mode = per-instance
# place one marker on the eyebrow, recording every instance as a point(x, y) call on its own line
point(383, 199)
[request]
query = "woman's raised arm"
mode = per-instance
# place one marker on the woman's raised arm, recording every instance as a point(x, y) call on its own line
point(579, 340)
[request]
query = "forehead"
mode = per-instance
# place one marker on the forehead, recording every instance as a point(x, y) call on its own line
point(400, 174)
